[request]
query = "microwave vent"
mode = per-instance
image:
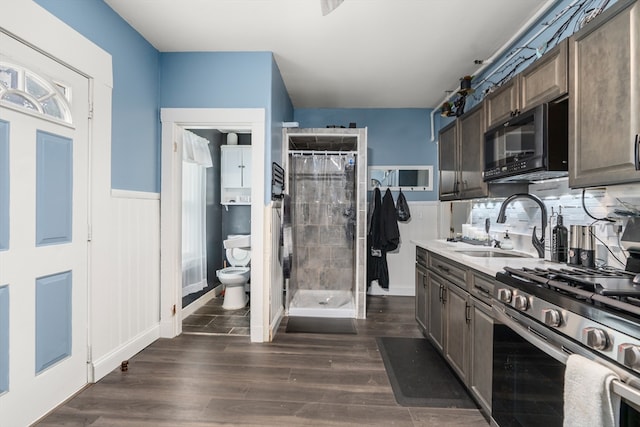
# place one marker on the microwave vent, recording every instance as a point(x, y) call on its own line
point(531, 177)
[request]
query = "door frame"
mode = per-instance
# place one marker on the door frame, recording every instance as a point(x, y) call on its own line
point(173, 120)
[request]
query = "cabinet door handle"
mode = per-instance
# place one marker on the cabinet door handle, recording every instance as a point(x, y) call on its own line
point(467, 313)
point(637, 152)
point(444, 294)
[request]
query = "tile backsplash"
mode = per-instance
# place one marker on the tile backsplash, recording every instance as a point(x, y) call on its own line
point(614, 202)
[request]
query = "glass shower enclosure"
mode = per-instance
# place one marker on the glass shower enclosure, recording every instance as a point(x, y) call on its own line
point(327, 214)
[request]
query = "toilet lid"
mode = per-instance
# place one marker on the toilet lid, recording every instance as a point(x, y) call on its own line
point(238, 257)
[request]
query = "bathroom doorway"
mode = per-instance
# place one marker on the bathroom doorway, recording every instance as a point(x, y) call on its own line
point(174, 121)
point(202, 304)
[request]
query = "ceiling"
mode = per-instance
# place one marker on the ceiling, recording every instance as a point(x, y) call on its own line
point(364, 54)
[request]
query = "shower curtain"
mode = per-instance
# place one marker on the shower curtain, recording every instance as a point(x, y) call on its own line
point(324, 221)
point(195, 159)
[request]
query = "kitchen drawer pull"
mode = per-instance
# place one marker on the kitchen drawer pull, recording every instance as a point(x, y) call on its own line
point(482, 289)
point(443, 268)
point(637, 152)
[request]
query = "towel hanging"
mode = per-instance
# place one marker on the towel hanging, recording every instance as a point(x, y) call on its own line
point(588, 400)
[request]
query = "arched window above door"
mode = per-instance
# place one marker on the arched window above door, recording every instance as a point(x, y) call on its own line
point(22, 88)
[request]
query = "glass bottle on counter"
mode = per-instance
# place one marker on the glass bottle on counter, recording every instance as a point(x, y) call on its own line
point(559, 241)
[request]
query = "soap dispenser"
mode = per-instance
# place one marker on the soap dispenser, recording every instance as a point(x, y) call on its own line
point(506, 243)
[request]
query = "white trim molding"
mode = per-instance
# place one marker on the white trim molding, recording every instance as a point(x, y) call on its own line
point(173, 120)
point(107, 363)
point(128, 194)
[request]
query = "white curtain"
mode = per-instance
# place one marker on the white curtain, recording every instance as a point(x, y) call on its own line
point(195, 159)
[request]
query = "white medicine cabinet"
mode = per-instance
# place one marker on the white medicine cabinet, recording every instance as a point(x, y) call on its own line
point(405, 178)
point(235, 175)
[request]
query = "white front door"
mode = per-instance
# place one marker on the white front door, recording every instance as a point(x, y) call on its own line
point(44, 115)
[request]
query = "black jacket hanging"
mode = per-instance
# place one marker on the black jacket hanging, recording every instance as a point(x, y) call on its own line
point(390, 231)
point(383, 236)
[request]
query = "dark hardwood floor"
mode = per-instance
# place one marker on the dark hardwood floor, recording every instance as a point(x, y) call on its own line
point(296, 380)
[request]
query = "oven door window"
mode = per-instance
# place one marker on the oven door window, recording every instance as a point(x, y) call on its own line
point(528, 384)
point(629, 416)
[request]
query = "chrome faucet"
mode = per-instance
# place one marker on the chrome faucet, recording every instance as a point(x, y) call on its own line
point(538, 244)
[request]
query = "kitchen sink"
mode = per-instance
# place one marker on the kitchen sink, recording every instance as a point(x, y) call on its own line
point(492, 254)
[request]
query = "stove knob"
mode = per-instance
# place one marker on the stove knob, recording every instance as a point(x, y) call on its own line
point(520, 302)
point(504, 295)
point(552, 317)
point(595, 338)
point(629, 355)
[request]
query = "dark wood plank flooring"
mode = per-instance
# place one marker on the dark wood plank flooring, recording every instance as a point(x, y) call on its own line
point(297, 380)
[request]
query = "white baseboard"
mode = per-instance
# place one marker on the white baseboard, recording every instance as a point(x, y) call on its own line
point(109, 362)
point(273, 328)
point(201, 302)
point(394, 290)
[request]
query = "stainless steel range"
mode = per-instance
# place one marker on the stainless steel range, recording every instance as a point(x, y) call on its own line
point(544, 315)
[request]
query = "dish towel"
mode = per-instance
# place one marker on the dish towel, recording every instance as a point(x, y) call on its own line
point(588, 400)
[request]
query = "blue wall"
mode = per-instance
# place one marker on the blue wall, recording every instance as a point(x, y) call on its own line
point(135, 130)
point(215, 79)
point(281, 111)
point(145, 80)
point(395, 136)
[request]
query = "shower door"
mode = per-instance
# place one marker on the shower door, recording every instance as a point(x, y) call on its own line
point(323, 193)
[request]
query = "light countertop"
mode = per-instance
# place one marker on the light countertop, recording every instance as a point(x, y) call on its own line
point(488, 265)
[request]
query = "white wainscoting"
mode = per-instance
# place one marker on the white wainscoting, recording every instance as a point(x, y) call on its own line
point(423, 225)
point(272, 240)
point(125, 268)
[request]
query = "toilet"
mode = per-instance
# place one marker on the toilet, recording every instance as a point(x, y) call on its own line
point(236, 277)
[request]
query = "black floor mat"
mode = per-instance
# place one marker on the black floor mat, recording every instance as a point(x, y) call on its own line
point(420, 376)
point(321, 325)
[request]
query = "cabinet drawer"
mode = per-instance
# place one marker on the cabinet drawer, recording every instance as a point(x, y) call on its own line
point(448, 269)
point(482, 287)
point(421, 256)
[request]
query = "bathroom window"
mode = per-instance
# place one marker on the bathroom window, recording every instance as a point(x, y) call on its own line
point(27, 90)
point(407, 178)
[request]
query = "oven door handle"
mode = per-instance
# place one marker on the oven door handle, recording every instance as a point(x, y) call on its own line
point(534, 338)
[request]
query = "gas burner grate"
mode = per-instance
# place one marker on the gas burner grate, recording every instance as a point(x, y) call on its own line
point(607, 288)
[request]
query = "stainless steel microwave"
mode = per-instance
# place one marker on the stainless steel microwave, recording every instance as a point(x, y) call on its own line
point(531, 146)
